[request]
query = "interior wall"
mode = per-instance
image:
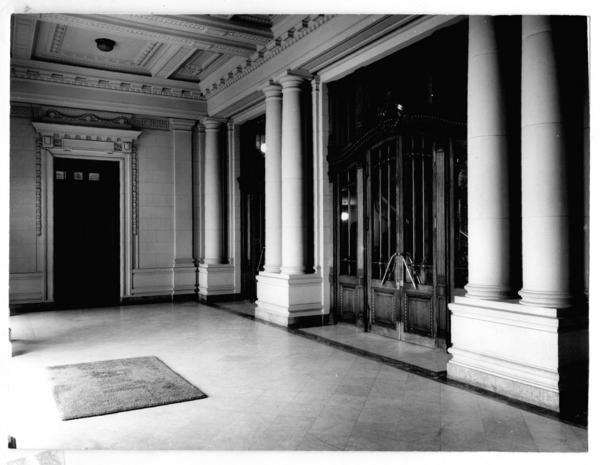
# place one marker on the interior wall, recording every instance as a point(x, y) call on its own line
point(153, 247)
point(24, 267)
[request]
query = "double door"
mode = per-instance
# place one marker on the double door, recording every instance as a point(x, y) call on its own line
point(391, 254)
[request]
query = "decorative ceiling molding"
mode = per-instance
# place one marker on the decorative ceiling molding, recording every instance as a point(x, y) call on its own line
point(146, 54)
point(34, 73)
point(269, 51)
point(57, 39)
point(172, 62)
point(159, 28)
point(51, 46)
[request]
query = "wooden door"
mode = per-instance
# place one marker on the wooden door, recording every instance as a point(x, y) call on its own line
point(406, 246)
point(349, 237)
point(423, 255)
point(383, 235)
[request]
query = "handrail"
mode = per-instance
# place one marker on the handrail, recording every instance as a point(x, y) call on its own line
point(388, 267)
point(407, 266)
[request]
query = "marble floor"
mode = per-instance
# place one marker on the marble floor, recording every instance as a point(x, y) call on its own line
point(429, 359)
point(268, 389)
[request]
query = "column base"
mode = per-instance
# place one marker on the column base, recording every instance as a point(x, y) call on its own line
point(184, 277)
point(546, 299)
point(215, 279)
point(487, 292)
point(533, 354)
point(289, 300)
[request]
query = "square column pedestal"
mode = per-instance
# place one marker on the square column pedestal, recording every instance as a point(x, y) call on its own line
point(215, 280)
point(534, 354)
point(289, 300)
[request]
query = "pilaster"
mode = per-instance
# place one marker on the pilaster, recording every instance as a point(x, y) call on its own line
point(184, 272)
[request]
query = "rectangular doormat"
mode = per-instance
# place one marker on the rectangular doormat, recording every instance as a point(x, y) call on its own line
point(98, 388)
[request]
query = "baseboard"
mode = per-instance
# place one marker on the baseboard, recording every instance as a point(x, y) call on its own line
point(147, 299)
point(209, 299)
point(308, 321)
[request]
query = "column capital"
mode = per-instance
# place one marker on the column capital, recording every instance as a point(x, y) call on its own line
point(177, 124)
point(212, 124)
point(293, 80)
point(315, 83)
point(272, 90)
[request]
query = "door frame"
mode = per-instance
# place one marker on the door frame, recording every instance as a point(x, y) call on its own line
point(124, 216)
point(90, 143)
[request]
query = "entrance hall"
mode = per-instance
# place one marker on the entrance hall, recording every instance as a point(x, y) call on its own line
point(267, 389)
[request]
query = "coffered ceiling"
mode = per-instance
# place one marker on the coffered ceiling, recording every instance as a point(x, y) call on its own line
point(176, 47)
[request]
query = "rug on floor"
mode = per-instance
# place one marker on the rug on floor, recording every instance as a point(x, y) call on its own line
point(109, 386)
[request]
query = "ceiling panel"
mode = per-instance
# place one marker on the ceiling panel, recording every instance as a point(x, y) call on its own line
point(71, 45)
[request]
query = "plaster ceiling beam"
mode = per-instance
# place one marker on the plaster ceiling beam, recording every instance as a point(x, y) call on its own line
point(219, 26)
point(170, 61)
point(23, 36)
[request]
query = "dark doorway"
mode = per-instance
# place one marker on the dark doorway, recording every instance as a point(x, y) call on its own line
point(252, 193)
point(86, 232)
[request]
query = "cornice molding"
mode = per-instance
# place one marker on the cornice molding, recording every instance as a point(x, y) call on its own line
point(178, 124)
point(269, 51)
point(159, 28)
point(64, 74)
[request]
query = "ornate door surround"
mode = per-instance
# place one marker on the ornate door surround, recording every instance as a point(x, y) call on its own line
point(85, 142)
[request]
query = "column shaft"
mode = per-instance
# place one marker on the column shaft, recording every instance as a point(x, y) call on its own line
point(213, 195)
point(273, 179)
point(488, 165)
point(292, 202)
point(546, 267)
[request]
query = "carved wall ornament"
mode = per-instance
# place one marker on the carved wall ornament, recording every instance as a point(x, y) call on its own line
point(38, 185)
point(86, 118)
point(134, 190)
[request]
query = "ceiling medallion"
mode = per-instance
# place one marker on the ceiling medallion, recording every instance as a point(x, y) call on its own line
point(105, 45)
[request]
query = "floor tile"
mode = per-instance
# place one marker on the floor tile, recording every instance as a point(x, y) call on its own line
point(267, 389)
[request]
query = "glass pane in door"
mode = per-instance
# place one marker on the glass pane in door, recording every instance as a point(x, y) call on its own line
point(348, 221)
point(383, 207)
point(417, 168)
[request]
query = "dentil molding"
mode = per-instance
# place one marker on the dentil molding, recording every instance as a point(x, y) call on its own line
point(270, 50)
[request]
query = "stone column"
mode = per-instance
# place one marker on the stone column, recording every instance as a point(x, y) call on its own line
point(289, 297)
point(546, 273)
point(184, 271)
point(292, 204)
point(488, 166)
point(273, 179)
point(213, 195)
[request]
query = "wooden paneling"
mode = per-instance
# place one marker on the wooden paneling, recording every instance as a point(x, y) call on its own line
point(384, 306)
point(418, 311)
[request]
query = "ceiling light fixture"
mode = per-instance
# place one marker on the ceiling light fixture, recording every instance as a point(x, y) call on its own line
point(106, 45)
